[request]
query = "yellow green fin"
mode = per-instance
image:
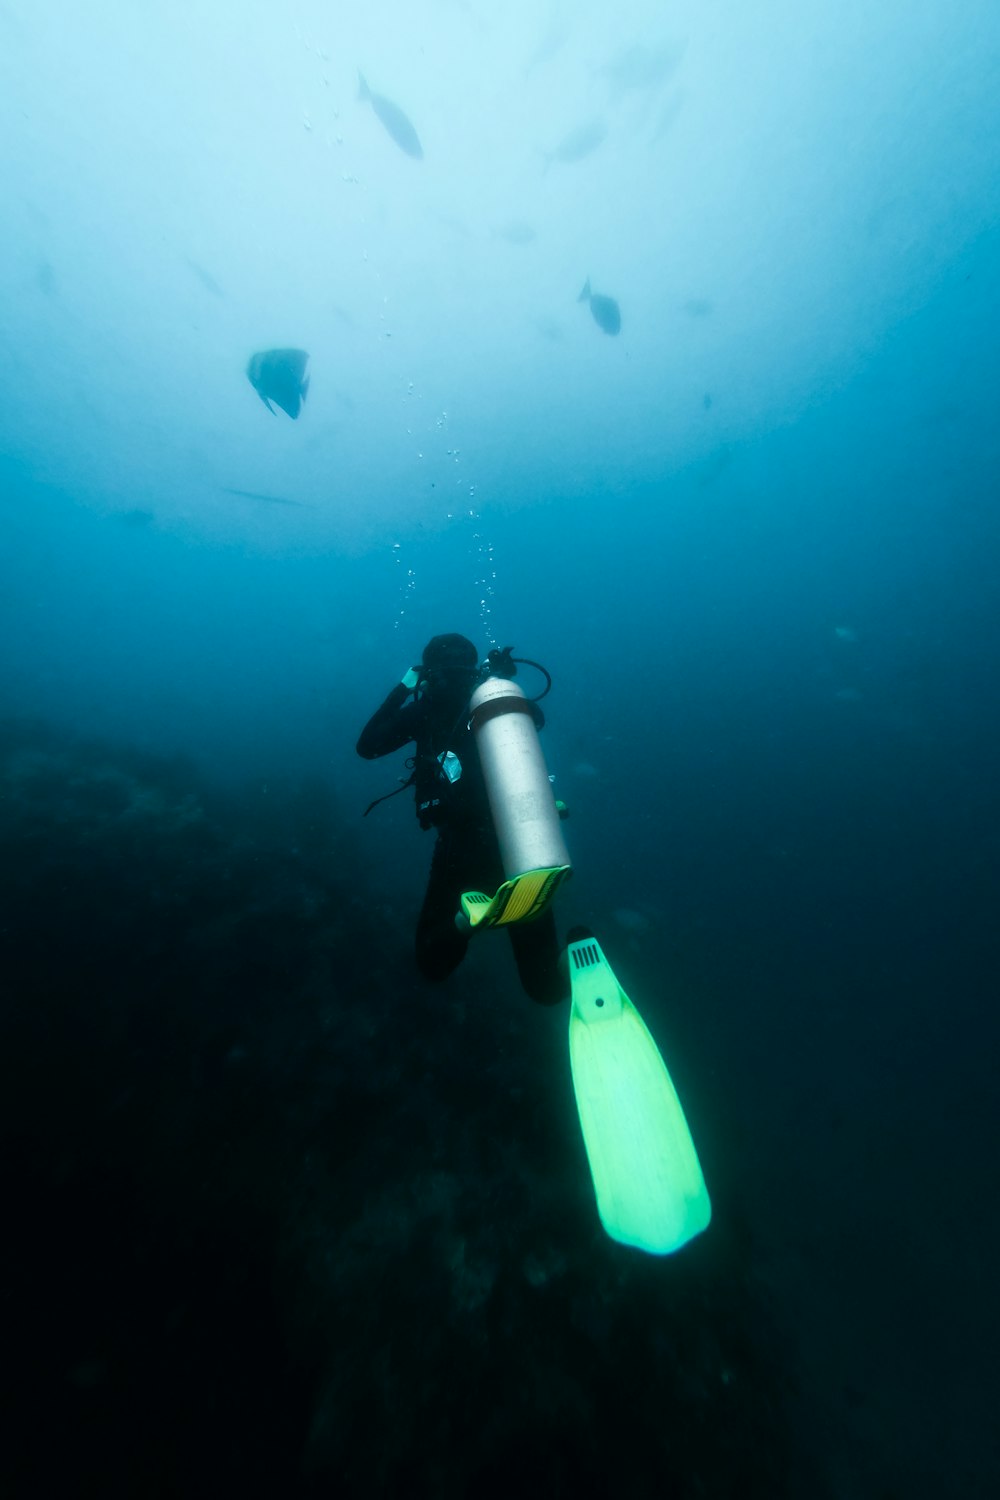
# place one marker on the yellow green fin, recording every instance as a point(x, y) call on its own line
point(517, 900)
point(647, 1177)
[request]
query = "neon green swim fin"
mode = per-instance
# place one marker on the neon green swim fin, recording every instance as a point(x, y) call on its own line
point(650, 1191)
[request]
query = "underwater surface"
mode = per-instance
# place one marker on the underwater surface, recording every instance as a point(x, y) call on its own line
point(662, 344)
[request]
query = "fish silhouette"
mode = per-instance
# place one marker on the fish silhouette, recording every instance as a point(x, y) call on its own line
point(606, 312)
point(578, 144)
point(279, 375)
point(256, 495)
point(395, 122)
point(207, 280)
point(642, 68)
point(515, 232)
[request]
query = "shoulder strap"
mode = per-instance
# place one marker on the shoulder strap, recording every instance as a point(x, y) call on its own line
point(395, 793)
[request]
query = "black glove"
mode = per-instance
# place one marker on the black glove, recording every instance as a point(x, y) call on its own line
point(501, 662)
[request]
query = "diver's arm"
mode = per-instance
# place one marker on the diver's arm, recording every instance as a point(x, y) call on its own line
point(390, 727)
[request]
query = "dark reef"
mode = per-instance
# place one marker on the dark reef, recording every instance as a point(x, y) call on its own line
point(280, 1219)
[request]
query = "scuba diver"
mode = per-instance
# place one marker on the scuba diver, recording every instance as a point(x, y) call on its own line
point(430, 707)
point(481, 783)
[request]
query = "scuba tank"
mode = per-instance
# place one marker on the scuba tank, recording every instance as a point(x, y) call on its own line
point(520, 794)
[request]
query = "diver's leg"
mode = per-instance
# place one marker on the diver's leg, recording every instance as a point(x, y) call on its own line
point(440, 947)
point(537, 954)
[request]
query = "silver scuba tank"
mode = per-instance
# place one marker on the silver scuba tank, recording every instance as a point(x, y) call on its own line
point(520, 794)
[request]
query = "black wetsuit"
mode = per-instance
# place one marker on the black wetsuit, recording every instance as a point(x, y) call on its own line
point(466, 855)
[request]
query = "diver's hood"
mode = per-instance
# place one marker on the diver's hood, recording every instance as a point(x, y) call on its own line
point(449, 653)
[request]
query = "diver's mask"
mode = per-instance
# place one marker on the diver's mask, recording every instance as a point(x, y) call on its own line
point(449, 684)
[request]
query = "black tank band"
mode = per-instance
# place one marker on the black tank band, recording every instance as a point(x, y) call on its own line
point(497, 706)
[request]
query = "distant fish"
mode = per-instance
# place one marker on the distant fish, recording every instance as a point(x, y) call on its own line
point(555, 38)
point(253, 495)
point(668, 116)
point(550, 329)
point(279, 375)
point(516, 232)
point(455, 225)
point(580, 143)
point(642, 68)
point(713, 468)
point(45, 279)
point(606, 312)
point(396, 123)
point(635, 922)
point(846, 633)
point(207, 280)
point(343, 315)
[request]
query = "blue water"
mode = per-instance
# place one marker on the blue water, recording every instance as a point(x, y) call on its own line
point(754, 538)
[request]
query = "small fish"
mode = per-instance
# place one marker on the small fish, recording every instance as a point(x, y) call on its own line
point(712, 469)
point(578, 144)
point(516, 232)
point(586, 770)
point(555, 38)
point(606, 312)
point(635, 922)
point(668, 116)
point(550, 329)
point(207, 280)
point(279, 375)
point(396, 123)
point(254, 495)
point(642, 68)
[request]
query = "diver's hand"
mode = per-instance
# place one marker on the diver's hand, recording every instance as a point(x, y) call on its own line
point(410, 679)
